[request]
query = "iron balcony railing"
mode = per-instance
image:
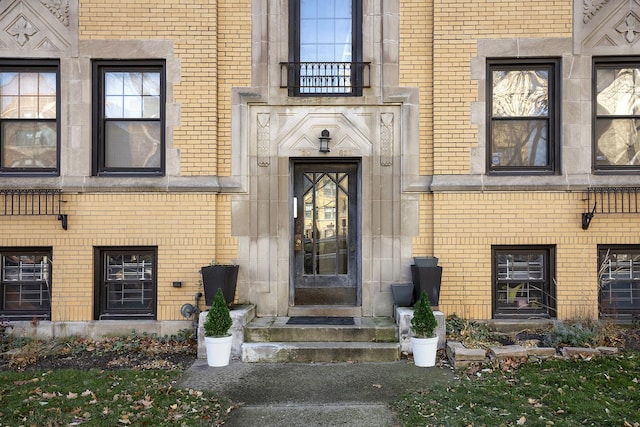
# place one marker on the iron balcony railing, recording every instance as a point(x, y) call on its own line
point(325, 78)
point(32, 202)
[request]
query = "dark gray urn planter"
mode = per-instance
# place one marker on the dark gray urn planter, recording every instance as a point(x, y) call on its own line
point(427, 279)
point(219, 276)
point(402, 294)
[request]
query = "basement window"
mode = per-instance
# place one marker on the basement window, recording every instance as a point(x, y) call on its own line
point(25, 283)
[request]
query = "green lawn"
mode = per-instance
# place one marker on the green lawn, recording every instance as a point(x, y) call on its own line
point(104, 398)
point(598, 392)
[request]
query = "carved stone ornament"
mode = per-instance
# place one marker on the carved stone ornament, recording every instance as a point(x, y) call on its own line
point(610, 27)
point(386, 139)
point(591, 8)
point(629, 27)
point(22, 30)
point(264, 129)
point(38, 28)
point(59, 8)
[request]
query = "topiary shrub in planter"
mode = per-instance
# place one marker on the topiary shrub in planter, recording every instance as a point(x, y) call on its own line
point(217, 339)
point(424, 341)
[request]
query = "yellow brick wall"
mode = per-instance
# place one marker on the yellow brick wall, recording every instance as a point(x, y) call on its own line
point(192, 26)
point(212, 41)
point(457, 27)
point(183, 227)
point(234, 47)
point(416, 68)
point(466, 225)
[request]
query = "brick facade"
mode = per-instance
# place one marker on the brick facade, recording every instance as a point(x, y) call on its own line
point(225, 197)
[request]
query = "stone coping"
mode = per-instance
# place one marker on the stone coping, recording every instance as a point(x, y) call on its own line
point(460, 356)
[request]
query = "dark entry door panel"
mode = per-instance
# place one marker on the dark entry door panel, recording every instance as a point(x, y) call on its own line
point(326, 234)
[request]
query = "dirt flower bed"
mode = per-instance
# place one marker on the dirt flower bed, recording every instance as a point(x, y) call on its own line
point(134, 351)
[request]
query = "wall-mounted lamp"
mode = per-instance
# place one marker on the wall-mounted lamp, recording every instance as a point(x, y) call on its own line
point(324, 141)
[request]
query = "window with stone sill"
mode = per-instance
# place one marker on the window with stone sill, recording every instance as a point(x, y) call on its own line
point(522, 116)
point(125, 283)
point(325, 49)
point(616, 114)
point(619, 281)
point(25, 283)
point(523, 285)
point(29, 112)
point(129, 118)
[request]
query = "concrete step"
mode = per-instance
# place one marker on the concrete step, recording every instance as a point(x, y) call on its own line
point(365, 329)
point(309, 352)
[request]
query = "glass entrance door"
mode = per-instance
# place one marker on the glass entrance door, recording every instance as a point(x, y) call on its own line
point(326, 243)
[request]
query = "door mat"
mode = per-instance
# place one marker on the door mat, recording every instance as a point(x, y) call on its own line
point(320, 320)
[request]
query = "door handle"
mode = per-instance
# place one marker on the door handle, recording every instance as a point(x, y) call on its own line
point(298, 242)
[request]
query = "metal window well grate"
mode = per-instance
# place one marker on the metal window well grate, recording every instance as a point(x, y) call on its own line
point(610, 200)
point(27, 202)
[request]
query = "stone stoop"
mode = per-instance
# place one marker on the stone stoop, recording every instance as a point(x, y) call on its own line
point(370, 339)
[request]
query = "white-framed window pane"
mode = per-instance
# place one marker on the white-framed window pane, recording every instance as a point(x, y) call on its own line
point(132, 144)
point(28, 144)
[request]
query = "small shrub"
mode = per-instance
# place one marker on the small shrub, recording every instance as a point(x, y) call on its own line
point(218, 321)
point(423, 322)
point(469, 332)
point(576, 334)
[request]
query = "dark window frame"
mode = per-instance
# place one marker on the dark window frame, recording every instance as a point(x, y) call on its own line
point(100, 67)
point(357, 66)
point(625, 292)
point(44, 312)
point(35, 65)
point(102, 309)
point(598, 63)
point(553, 65)
point(502, 309)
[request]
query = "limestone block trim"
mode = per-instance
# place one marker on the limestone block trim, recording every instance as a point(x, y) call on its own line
point(575, 139)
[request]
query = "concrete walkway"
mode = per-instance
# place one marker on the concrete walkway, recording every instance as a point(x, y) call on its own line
point(324, 394)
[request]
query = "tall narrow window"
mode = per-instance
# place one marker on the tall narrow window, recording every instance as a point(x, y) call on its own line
point(29, 111)
point(522, 110)
point(616, 115)
point(25, 283)
point(126, 283)
point(325, 47)
point(523, 284)
point(129, 119)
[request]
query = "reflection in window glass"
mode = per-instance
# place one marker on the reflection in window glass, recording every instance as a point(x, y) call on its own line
point(28, 120)
point(617, 116)
point(521, 123)
point(129, 133)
